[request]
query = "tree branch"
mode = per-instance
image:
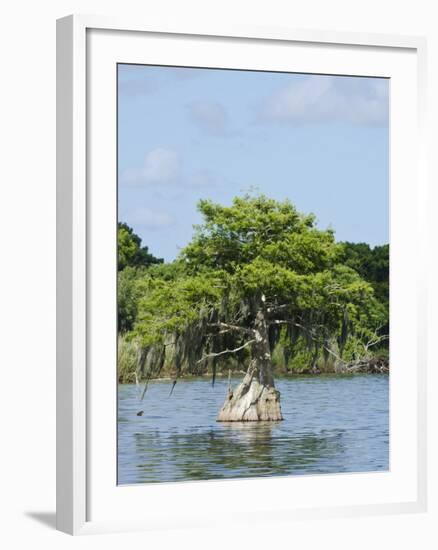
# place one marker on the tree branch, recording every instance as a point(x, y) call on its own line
point(375, 341)
point(226, 351)
point(315, 339)
point(272, 309)
point(233, 327)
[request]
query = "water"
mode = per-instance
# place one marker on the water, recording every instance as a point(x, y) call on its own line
point(332, 424)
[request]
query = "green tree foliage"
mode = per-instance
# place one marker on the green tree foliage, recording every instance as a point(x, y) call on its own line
point(253, 267)
point(130, 251)
point(371, 263)
point(133, 259)
point(128, 292)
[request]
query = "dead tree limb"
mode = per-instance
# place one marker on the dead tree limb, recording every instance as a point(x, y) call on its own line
point(226, 351)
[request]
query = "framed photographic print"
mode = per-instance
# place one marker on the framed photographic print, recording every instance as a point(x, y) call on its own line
point(240, 282)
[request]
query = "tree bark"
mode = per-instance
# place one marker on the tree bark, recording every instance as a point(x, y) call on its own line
point(255, 398)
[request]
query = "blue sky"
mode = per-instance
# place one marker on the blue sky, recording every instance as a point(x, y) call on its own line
point(185, 134)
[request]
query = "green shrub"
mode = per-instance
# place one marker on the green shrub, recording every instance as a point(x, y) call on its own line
point(127, 357)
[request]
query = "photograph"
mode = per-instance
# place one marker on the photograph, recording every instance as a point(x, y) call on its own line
point(228, 215)
point(253, 247)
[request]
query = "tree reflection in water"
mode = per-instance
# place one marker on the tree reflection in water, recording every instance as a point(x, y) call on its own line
point(235, 450)
point(332, 425)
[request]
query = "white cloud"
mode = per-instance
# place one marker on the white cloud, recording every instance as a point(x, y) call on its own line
point(150, 219)
point(161, 166)
point(353, 100)
point(209, 116)
point(202, 179)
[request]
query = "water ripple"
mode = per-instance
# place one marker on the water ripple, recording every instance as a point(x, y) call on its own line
point(332, 425)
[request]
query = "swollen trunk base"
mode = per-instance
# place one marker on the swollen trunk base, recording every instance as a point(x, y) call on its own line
point(251, 401)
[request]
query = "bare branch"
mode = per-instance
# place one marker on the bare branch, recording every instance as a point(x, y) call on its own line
point(272, 309)
point(226, 351)
point(232, 327)
point(375, 341)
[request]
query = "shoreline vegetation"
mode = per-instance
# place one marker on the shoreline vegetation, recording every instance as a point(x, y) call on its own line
point(208, 375)
point(381, 368)
point(128, 352)
point(259, 290)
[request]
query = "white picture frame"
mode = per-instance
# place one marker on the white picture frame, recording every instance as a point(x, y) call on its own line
point(80, 488)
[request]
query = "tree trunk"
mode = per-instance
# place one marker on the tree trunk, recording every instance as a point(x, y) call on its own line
point(255, 398)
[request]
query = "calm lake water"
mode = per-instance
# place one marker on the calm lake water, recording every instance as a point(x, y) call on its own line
point(332, 424)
